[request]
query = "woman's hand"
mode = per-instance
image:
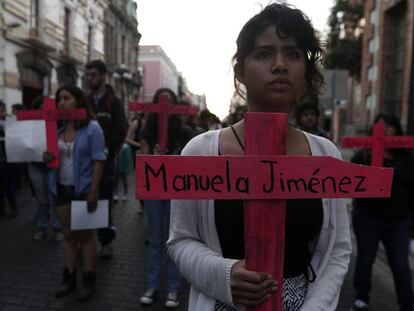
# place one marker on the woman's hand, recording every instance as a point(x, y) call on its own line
point(92, 201)
point(48, 157)
point(250, 288)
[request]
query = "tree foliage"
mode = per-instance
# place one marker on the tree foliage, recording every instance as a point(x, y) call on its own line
point(344, 42)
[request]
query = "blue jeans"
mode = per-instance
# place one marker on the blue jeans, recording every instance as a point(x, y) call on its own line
point(395, 237)
point(158, 217)
point(45, 209)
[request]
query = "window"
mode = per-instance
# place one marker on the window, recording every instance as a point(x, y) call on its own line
point(66, 32)
point(90, 43)
point(394, 59)
point(123, 50)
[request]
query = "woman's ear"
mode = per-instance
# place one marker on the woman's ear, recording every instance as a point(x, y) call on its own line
point(238, 72)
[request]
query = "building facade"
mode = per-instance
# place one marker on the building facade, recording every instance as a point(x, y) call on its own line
point(45, 43)
point(121, 48)
point(387, 64)
point(158, 71)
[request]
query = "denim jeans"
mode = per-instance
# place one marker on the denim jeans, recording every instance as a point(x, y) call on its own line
point(106, 191)
point(45, 209)
point(395, 238)
point(158, 217)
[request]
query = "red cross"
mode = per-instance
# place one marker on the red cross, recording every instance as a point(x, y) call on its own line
point(264, 177)
point(378, 142)
point(164, 109)
point(51, 115)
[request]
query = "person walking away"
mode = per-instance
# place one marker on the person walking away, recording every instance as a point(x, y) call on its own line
point(110, 114)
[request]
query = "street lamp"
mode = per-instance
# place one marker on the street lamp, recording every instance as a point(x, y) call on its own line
point(121, 74)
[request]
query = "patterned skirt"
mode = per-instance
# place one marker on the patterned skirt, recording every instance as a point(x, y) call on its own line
point(293, 295)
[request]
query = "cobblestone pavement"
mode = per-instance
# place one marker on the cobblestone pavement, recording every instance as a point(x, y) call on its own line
point(30, 270)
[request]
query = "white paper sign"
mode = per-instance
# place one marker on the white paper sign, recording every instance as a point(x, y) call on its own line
point(80, 219)
point(25, 141)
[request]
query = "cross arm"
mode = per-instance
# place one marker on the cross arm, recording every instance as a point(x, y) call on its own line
point(51, 115)
point(356, 142)
point(257, 177)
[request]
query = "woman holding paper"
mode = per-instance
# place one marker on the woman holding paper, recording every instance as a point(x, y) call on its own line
point(277, 62)
point(81, 152)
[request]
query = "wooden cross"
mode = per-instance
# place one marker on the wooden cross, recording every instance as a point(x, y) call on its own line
point(378, 142)
point(51, 115)
point(264, 178)
point(164, 108)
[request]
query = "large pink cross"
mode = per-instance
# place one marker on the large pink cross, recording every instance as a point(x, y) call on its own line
point(51, 115)
point(265, 177)
point(164, 109)
point(378, 142)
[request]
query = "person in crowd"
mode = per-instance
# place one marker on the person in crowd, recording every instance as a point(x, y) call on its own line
point(82, 157)
point(7, 176)
point(277, 62)
point(158, 211)
point(123, 167)
point(386, 220)
point(307, 115)
point(134, 133)
point(110, 114)
point(133, 138)
point(204, 119)
point(38, 174)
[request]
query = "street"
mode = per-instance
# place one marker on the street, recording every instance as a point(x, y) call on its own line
point(31, 270)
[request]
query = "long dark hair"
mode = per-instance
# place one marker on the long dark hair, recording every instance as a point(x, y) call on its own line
point(289, 22)
point(174, 124)
point(81, 102)
point(394, 122)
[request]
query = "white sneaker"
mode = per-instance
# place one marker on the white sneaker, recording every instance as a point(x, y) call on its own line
point(59, 236)
point(149, 296)
point(116, 198)
point(140, 209)
point(359, 305)
point(172, 300)
point(124, 198)
point(39, 235)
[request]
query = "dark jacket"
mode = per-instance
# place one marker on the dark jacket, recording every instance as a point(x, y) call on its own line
point(110, 114)
point(401, 203)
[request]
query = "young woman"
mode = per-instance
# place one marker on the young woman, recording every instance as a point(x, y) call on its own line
point(386, 220)
point(158, 211)
point(276, 61)
point(81, 152)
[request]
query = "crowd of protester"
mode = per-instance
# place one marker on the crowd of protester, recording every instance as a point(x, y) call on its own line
point(113, 138)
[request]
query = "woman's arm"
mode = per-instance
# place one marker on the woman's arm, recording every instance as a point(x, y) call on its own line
point(129, 139)
point(144, 147)
point(204, 267)
point(93, 194)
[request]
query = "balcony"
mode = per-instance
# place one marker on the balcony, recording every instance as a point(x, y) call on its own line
point(74, 51)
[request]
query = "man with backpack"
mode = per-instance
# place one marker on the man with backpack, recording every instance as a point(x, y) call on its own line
point(110, 113)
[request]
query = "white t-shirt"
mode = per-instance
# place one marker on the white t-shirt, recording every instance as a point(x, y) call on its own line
point(66, 163)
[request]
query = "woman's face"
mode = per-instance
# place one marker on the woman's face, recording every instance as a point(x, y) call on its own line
point(274, 73)
point(388, 129)
point(66, 100)
point(166, 96)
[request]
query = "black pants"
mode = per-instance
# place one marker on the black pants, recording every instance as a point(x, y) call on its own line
point(7, 187)
point(106, 191)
